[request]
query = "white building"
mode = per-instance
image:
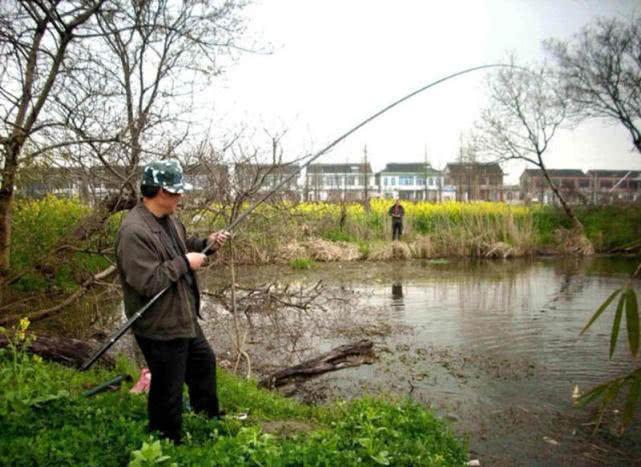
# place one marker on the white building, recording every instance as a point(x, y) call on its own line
point(411, 181)
point(339, 182)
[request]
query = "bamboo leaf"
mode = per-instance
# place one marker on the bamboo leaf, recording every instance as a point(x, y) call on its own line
point(612, 390)
point(616, 324)
point(592, 394)
point(634, 393)
point(601, 309)
point(632, 320)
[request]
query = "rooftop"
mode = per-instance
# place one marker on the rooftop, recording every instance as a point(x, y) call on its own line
point(554, 172)
point(409, 167)
point(339, 168)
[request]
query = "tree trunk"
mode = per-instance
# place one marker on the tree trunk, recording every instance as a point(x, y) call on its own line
point(576, 223)
point(6, 205)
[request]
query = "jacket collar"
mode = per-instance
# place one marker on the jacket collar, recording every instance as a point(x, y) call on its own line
point(146, 215)
point(152, 222)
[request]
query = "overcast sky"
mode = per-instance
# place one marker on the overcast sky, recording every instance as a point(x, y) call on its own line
point(335, 62)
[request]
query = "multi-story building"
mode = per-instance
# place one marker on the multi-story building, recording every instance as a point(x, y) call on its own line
point(256, 179)
point(475, 180)
point(607, 186)
point(211, 180)
point(573, 185)
point(339, 182)
point(90, 184)
point(412, 181)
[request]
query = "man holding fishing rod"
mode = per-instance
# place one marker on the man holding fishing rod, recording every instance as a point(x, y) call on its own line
point(154, 252)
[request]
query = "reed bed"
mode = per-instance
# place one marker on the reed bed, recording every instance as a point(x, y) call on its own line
point(352, 231)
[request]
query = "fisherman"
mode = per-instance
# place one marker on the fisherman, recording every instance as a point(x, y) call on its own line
point(397, 212)
point(154, 252)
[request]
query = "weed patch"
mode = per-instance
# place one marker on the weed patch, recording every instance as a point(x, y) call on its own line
point(109, 429)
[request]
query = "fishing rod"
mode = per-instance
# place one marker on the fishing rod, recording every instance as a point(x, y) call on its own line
point(125, 327)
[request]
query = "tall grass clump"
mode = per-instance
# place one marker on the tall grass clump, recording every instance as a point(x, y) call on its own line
point(302, 263)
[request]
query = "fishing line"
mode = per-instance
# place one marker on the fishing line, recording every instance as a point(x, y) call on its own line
point(114, 337)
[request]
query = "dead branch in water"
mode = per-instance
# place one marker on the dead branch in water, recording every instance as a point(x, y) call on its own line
point(268, 296)
point(344, 356)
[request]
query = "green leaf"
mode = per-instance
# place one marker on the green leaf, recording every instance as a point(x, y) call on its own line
point(632, 400)
point(592, 394)
point(609, 396)
point(382, 458)
point(601, 309)
point(616, 324)
point(632, 320)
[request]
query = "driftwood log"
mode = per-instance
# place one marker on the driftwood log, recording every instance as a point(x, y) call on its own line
point(344, 356)
point(65, 350)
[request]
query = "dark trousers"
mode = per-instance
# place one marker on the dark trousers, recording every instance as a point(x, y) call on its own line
point(173, 363)
point(397, 230)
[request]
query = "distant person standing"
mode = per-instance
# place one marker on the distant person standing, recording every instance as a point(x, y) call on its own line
point(397, 212)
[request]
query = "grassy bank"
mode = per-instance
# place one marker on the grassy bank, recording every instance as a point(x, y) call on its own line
point(296, 234)
point(46, 421)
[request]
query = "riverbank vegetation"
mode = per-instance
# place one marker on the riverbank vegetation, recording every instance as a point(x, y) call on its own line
point(47, 421)
point(293, 233)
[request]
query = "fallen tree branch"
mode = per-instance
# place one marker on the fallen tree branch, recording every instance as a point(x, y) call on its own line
point(42, 314)
point(344, 356)
point(64, 350)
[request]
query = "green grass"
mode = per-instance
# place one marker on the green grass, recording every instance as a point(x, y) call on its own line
point(302, 263)
point(338, 235)
point(107, 429)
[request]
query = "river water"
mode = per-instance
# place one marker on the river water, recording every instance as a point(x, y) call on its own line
point(492, 346)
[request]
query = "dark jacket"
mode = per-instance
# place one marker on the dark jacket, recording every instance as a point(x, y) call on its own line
point(397, 213)
point(146, 266)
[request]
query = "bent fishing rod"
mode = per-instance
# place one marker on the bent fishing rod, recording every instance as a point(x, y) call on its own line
point(125, 327)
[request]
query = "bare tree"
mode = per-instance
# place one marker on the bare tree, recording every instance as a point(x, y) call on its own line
point(525, 112)
point(35, 41)
point(469, 169)
point(154, 58)
point(600, 70)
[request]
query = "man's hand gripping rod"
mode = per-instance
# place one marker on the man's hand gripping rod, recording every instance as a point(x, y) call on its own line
point(125, 327)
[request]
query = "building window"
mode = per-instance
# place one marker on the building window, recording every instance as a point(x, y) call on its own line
point(420, 181)
point(384, 181)
point(405, 180)
point(584, 183)
point(392, 181)
point(430, 181)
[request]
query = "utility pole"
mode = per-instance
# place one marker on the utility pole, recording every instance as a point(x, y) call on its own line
point(425, 196)
point(365, 178)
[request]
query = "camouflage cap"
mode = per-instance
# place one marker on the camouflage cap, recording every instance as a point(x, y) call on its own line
point(167, 174)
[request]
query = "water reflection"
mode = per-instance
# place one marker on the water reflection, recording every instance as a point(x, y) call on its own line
point(397, 296)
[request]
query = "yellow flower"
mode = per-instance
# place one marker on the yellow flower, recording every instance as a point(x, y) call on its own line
point(21, 330)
